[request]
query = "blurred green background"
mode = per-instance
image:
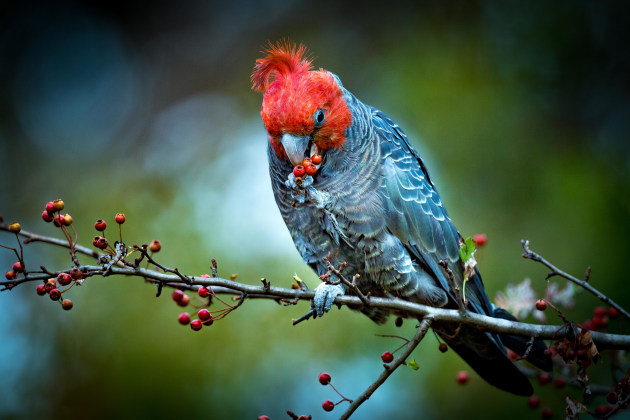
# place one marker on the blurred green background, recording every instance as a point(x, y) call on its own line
point(521, 110)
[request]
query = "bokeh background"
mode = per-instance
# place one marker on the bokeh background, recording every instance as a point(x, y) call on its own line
point(521, 111)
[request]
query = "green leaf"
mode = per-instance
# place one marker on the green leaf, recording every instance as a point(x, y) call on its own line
point(462, 253)
point(467, 249)
point(470, 246)
point(413, 364)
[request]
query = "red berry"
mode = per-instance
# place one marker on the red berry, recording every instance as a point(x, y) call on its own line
point(76, 274)
point(18, 267)
point(480, 239)
point(177, 295)
point(546, 413)
point(95, 241)
point(306, 162)
point(10, 275)
point(66, 304)
point(155, 246)
point(120, 218)
point(67, 219)
point(55, 294)
point(50, 284)
point(294, 286)
point(443, 347)
point(587, 325)
point(59, 220)
point(196, 325)
point(102, 243)
point(184, 318)
point(299, 170)
point(316, 159)
point(324, 378)
point(311, 169)
point(533, 401)
point(548, 353)
point(263, 418)
point(512, 355)
point(599, 311)
point(544, 379)
point(184, 301)
point(41, 289)
point(600, 322)
point(47, 216)
point(299, 180)
point(603, 409)
point(387, 357)
point(205, 276)
point(203, 292)
point(328, 405)
point(613, 313)
point(50, 207)
point(15, 227)
point(541, 304)
point(462, 377)
point(204, 314)
point(58, 204)
point(559, 383)
point(100, 225)
point(209, 321)
point(64, 279)
point(612, 397)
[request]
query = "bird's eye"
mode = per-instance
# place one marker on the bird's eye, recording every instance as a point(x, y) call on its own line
point(319, 118)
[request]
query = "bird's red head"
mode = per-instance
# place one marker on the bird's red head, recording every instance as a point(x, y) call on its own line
point(299, 103)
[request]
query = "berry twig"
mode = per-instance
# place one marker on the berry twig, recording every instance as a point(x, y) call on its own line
point(389, 369)
point(227, 286)
point(555, 271)
point(352, 284)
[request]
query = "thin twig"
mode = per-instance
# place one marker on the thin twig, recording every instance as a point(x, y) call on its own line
point(351, 284)
point(461, 304)
point(143, 251)
point(555, 271)
point(410, 347)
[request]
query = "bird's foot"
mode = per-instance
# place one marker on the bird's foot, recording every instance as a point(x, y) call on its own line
point(325, 295)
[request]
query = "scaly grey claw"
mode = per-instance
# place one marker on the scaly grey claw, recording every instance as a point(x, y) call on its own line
point(325, 295)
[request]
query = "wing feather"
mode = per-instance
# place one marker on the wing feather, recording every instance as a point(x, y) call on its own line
point(415, 214)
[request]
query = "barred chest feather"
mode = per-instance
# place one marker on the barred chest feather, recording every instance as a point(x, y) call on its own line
point(340, 213)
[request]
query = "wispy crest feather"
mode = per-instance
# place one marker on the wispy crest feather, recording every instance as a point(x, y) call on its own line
point(282, 58)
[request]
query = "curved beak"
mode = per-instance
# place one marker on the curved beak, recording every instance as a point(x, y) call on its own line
point(295, 147)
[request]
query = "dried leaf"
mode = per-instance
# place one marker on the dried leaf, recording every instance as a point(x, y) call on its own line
point(574, 408)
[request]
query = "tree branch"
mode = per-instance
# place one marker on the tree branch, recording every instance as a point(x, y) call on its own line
point(389, 369)
point(555, 271)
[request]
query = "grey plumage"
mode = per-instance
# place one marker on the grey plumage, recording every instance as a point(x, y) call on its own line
point(373, 206)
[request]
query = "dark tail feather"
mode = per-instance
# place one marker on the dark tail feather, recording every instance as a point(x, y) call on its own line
point(519, 344)
point(487, 358)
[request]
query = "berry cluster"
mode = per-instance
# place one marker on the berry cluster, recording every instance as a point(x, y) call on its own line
point(581, 350)
point(325, 379)
point(533, 402)
point(204, 317)
point(52, 213)
point(18, 267)
point(52, 287)
point(600, 319)
point(307, 167)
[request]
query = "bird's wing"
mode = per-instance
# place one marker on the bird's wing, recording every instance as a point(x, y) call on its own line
point(415, 214)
